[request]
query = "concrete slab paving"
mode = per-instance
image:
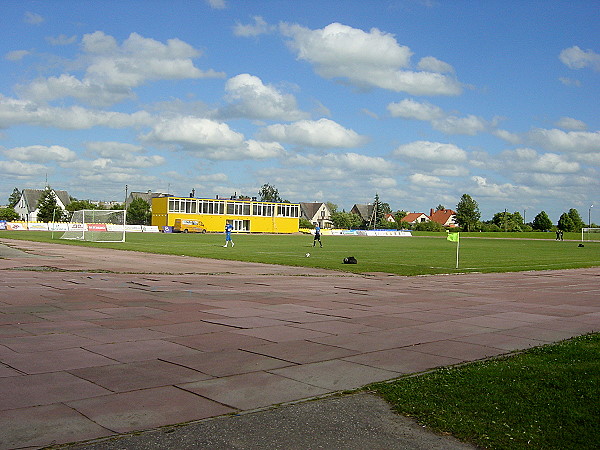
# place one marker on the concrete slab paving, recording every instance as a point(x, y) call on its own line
point(86, 353)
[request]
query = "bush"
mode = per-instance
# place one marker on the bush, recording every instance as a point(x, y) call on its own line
point(428, 226)
point(305, 223)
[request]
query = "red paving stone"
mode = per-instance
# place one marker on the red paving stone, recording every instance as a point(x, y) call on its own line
point(85, 354)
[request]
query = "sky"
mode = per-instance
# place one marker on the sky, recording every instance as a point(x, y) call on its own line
point(417, 101)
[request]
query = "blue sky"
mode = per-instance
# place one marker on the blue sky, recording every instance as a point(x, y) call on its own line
point(419, 101)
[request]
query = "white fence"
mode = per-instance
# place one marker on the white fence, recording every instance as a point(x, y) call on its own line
point(65, 226)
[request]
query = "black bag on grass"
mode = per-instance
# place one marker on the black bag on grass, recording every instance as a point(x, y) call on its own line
point(350, 260)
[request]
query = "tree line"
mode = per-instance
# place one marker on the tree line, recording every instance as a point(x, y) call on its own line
point(138, 211)
point(468, 216)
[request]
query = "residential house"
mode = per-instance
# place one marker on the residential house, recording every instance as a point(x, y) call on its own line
point(316, 213)
point(27, 206)
point(445, 217)
point(390, 218)
point(415, 217)
point(365, 211)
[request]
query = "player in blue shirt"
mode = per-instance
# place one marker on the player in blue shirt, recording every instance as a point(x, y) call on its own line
point(317, 236)
point(228, 229)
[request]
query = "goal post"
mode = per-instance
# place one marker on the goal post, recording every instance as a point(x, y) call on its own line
point(590, 234)
point(96, 225)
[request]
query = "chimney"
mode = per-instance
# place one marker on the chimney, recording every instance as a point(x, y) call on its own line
point(431, 212)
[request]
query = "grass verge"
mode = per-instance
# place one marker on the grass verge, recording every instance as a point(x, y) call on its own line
point(544, 398)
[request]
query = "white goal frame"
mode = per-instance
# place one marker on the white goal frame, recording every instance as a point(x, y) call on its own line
point(97, 225)
point(587, 231)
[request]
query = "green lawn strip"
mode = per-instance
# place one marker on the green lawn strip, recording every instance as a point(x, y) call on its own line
point(417, 255)
point(546, 398)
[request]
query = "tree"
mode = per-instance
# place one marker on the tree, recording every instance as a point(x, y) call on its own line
point(8, 214)
point(565, 223)
point(380, 209)
point(346, 220)
point(14, 198)
point(428, 226)
point(269, 193)
point(48, 209)
point(332, 207)
point(467, 213)
point(578, 224)
point(305, 223)
point(77, 205)
point(542, 222)
point(138, 212)
point(506, 221)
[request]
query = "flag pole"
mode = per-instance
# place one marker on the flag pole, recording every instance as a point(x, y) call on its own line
point(457, 248)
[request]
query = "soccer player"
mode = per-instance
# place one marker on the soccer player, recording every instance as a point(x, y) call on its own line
point(317, 236)
point(228, 229)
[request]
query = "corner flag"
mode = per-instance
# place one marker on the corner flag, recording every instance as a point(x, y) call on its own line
point(454, 237)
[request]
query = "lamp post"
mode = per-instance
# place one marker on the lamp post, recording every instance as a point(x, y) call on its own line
point(590, 216)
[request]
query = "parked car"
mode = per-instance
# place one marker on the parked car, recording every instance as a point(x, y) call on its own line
point(188, 226)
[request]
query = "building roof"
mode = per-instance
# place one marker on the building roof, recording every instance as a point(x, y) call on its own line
point(310, 209)
point(443, 216)
point(412, 217)
point(363, 210)
point(33, 196)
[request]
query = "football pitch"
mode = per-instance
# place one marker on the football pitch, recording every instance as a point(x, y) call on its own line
point(416, 255)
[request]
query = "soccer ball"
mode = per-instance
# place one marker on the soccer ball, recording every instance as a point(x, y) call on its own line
point(307, 255)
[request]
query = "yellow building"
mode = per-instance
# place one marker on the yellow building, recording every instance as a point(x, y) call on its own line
point(244, 215)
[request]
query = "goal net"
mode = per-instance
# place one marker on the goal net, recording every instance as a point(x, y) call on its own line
point(590, 234)
point(96, 225)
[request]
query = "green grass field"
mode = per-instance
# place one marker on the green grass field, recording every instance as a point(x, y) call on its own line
point(417, 255)
point(544, 398)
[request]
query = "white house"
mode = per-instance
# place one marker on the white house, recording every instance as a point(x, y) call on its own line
point(316, 213)
point(27, 206)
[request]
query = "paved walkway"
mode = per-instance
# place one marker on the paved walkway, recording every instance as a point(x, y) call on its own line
point(165, 339)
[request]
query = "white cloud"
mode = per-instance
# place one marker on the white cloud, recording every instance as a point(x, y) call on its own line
point(16, 55)
point(345, 162)
point(217, 4)
point(572, 141)
point(18, 112)
point(252, 99)
point(210, 139)
point(366, 60)
point(124, 154)
point(114, 70)
point(576, 58)
point(507, 136)
point(33, 18)
point(439, 119)
point(435, 152)
point(194, 132)
point(431, 64)
point(323, 133)
point(41, 153)
point(568, 123)
point(569, 81)
point(214, 177)
point(411, 109)
point(496, 191)
point(61, 39)
point(21, 170)
point(470, 125)
point(527, 160)
point(257, 28)
point(427, 181)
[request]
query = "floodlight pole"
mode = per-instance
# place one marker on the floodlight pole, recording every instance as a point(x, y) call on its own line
point(590, 216)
